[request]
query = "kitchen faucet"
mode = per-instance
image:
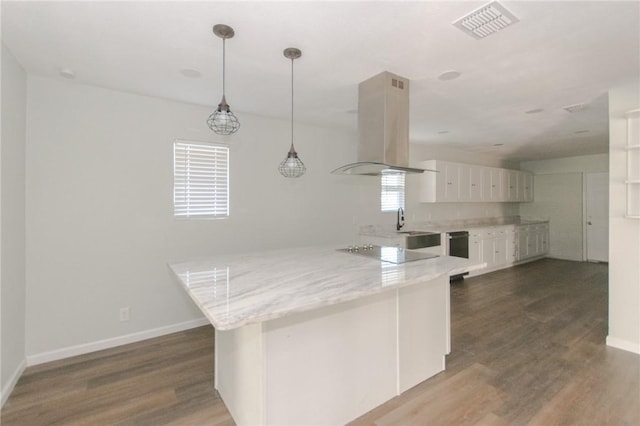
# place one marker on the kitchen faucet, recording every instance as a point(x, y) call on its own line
point(399, 219)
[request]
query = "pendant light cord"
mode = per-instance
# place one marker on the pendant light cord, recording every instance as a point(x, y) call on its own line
point(223, 65)
point(292, 102)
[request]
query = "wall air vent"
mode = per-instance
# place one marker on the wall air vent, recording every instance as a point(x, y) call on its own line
point(488, 19)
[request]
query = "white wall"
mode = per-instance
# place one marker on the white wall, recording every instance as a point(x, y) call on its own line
point(558, 195)
point(421, 152)
point(624, 233)
point(581, 164)
point(100, 228)
point(12, 229)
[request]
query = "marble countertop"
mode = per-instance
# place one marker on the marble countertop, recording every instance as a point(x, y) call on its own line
point(448, 226)
point(234, 290)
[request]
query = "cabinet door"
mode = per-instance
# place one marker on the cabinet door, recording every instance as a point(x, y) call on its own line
point(523, 243)
point(540, 243)
point(447, 182)
point(452, 187)
point(486, 184)
point(488, 252)
point(464, 182)
point(488, 248)
point(511, 244)
point(512, 185)
point(544, 242)
point(441, 181)
point(505, 245)
point(475, 249)
point(500, 249)
point(429, 182)
point(532, 242)
point(528, 187)
point(475, 183)
point(491, 184)
point(496, 185)
point(504, 185)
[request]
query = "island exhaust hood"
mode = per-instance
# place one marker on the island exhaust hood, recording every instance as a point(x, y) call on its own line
point(383, 127)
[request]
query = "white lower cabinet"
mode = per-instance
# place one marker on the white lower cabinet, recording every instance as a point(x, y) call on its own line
point(533, 241)
point(498, 248)
point(475, 245)
point(502, 246)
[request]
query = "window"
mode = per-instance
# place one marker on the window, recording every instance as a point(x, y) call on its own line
point(392, 194)
point(200, 180)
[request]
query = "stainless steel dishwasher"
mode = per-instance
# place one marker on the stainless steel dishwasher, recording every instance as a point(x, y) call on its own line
point(458, 247)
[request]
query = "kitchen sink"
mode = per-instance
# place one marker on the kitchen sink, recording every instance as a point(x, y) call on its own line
point(414, 232)
point(420, 239)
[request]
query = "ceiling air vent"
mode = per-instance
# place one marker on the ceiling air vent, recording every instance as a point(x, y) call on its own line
point(486, 20)
point(575, 108)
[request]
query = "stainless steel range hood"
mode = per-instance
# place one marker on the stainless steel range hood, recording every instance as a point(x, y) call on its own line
point(383, 127)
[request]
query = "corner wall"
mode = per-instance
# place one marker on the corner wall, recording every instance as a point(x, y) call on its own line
point(100, 225)
point(12, 220)
point(558, 195)
point(624, 233)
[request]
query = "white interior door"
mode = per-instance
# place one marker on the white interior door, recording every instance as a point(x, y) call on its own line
point(597, 216)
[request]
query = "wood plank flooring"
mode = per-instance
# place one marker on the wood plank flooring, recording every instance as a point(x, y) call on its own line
point(527, 349)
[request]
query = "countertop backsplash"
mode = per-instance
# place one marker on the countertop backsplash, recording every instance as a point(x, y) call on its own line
point(389, 230)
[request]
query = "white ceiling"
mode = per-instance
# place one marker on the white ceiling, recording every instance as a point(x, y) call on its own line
point(559, 54)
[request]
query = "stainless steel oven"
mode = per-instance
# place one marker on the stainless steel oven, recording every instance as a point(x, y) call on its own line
point(458, 247)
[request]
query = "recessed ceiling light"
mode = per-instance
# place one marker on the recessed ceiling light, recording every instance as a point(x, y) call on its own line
point(534, 111)
point(67, 73)
point(449, 75)
point(498, 144)
point(581, 131)
point(443, 132)
point(191, 73)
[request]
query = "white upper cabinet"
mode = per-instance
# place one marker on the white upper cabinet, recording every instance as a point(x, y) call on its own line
point(475, 183)
point(492, 184)
point(452, 180)
point(464, 183)
point(512, 185)
point(457, 182)
point(527, 196)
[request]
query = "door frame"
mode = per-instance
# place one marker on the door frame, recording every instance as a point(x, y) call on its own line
point(584, 213)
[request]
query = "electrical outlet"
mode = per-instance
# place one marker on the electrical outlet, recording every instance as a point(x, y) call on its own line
point(124, 314)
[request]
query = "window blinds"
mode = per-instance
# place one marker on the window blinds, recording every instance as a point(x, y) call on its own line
point(200, 180)
point(392, 193)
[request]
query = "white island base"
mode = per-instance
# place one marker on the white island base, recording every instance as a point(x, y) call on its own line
point(331, 365)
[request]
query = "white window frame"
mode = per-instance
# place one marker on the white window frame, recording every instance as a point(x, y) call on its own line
point(392, 190)
point(200, 180)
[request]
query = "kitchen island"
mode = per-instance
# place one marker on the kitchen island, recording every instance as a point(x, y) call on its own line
point(316, 336)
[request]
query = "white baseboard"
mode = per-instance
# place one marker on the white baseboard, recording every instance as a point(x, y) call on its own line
point(625, 345)
point(113, 342)
point(8, 388)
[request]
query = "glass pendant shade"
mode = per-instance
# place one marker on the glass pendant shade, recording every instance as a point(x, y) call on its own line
point(222, 121)
point(292, 166)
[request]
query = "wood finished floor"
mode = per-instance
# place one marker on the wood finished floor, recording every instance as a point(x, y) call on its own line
point(527, 349)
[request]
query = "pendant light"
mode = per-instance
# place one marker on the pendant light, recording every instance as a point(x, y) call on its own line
point(292, 166)
point(222, 121)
